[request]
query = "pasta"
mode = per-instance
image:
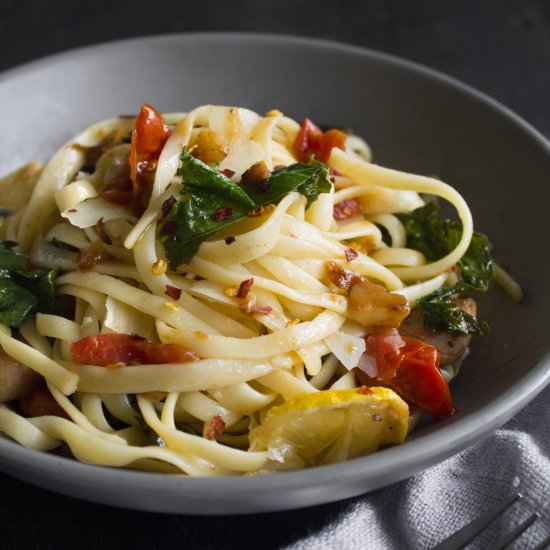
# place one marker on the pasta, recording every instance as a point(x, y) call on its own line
point(229, 301)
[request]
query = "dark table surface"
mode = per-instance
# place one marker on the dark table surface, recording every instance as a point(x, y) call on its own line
point(500, 47)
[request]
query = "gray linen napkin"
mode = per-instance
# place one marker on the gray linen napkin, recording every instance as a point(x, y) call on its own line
point(420, 512)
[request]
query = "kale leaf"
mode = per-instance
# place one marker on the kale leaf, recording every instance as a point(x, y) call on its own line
point(211, 201)
point(23, 290)
point(436, 237)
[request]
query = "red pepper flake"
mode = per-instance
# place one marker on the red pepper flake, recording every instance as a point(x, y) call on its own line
point(173, 292)
point(244, 287)
point(167, 205)
point(261, 310)
point(215, 428)
point(364, 390)
point(344, 210)
point(351, 254)
point(102, 232)
point(452, 269)
point(230, 239)
point(279, 167)
point(223, 213)
point(72, 210)
point(227, 172)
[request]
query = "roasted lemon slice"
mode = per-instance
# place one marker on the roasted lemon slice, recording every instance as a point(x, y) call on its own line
point(331, 426)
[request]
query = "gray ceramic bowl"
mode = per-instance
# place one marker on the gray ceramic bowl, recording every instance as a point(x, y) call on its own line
point(414, 119)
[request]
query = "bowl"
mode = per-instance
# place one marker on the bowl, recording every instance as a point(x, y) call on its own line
point(415, 119)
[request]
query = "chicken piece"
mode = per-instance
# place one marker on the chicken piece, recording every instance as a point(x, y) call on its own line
point(40, 402)
point(451, 347)
point(16, 380)
point(369, 304)
point(372, 305)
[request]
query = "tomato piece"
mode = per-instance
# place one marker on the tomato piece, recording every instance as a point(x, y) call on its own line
point(383, 354)
point(344, 210)
point(109, 349)
point(311, 141)
point(329, 140)
point(419, 381)
point(307, 140)
point(408, 366)
point(149, 135)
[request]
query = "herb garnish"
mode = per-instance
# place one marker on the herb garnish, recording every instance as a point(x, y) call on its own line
point(23, 289)
point(211, 201)
point(436, 237)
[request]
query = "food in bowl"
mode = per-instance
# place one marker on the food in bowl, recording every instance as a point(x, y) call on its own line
point(219, 292)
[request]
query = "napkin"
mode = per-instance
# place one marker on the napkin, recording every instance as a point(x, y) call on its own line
point(420, 512)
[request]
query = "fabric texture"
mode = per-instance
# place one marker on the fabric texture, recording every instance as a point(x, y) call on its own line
point(420, 512)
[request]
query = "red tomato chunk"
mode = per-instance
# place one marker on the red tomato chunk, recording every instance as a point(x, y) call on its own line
point(311, 141)
point(110, 349)
point(409, 367)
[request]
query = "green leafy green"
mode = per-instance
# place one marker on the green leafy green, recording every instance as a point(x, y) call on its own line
point(442, 314)
point(23, 290)
point(436, 237)
point(211, 201)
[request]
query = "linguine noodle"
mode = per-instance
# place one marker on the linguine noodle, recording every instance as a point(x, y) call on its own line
point(292, 333)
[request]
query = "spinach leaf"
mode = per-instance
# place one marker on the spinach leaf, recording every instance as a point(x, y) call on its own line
point(211, 201)
point(442, 314)
point(436, 237)
point(476, 266)
point(22, 289)
point(308, 179)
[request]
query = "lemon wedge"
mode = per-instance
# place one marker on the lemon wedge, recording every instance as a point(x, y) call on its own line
point(331, 426)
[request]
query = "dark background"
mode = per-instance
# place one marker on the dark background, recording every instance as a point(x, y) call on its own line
point(499, 47)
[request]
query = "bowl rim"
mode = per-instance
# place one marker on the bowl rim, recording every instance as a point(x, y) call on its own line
point(334, 482)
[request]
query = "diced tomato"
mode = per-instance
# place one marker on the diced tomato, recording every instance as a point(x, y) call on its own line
point(408, 366)
point(329, 140)
point(419, 381)
point(110, 349)
point(308, 135)
point(383, 354)
point(311, 141)
point(344, 210)
point(149, 135)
